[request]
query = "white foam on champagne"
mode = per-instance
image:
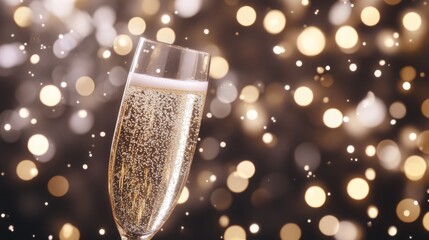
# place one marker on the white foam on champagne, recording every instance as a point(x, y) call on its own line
point(144, 80)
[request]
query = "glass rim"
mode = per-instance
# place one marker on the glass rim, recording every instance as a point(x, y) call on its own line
point(178, 47)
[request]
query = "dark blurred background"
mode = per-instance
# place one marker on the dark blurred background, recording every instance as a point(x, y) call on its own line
point(315, 126)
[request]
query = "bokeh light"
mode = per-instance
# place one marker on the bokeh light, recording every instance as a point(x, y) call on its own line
point(290, 231)
point(329, 225)
point(69, 232)
point(412, 21)
point(315, 196)
point(38, 144)
point(50, 95)
point(58, 186)
point(370, 16)
point(415, 167)
point(23, 16)
point(26, 170)
point(218, 67)
point(85, 86)
point(358, 188)
point(122, 44)
point(408, 210)
point(346, 37)
point(246, 16)
point(332, 118)
point(136, 26)
point(235, 232)
point(303, 96)
point(311, 41)
point(274, 21)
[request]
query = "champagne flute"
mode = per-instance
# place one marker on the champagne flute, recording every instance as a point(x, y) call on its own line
point(155, 136)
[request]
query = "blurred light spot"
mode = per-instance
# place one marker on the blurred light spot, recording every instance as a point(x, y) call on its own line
point(397, 110)
point(290, 231)
point(406, 86)
point(372, 211)
point(220, 109)
point(408, 73)
point(165, 19)
point(329, 225)
point(50, 95)
point(7, 127)
point(332, 118)
point(105, 35)
point(311, 41)
point(210, 148)
point(11, 55)
point(307, 155)
point(251, 114)
point(188, 8)
point(249, 94)
point(392, 231)
point(23, 16)
point(221, 199)
point(246, 16)
point(227, 92)
point(38, 144)
point(81, 121)
point(425, 108)
point(118, 76)
point(224, 221)
point(246, 169)
point(377, 73)
point(371, 111)
point(370, 16)
point(184, 195)
point(218, 67)
point(353, 67)
point(370, 174)
point(235, 232)
point(61, 9)
point(415, 167)
point(34, 59)
point(412, 21)
point(423, 142)
point(279, 49)
point(339, 12)
point(408, 210)
point(150, 7)
point(315, 196)
point(24, 113)
point(303, 96)
point(69, 232)
point(274, 21)
point(350, 149)
point(254, 228)
point(206, 179)
point(269, 139)
point(136, 26)
point(58, 186)
point(122, 44)
point(346, 37)
point(389, 154)
point(358, 188)
point(85, 86)
point(106, 54)
point(102, 231)
point(425, 221)
point(26, 170)
point(347, 231)
point(237, 183)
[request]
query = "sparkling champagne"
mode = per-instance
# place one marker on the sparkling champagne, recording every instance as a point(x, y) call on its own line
point(152, 150)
